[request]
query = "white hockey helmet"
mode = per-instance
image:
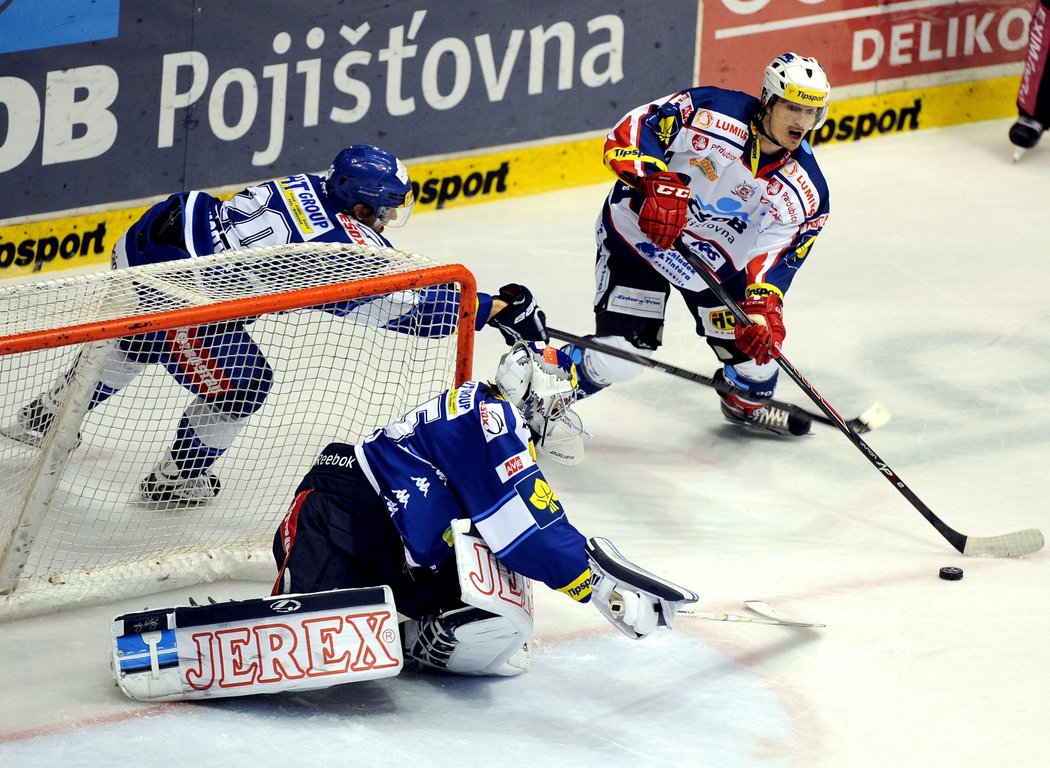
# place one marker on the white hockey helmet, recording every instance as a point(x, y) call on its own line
point(541, 383)
point(798, 79)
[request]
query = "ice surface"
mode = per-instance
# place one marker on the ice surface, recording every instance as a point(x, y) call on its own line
point(928, 292)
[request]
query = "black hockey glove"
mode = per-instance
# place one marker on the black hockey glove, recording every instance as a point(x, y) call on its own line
point(522, 318)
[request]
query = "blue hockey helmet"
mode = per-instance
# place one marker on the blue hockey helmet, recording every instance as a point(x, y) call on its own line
point(366, 174)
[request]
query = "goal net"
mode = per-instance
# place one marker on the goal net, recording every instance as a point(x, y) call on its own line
point(349, 338)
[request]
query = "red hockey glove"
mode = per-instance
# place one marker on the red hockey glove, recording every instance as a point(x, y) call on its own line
point(663, 213)
point(761, 341)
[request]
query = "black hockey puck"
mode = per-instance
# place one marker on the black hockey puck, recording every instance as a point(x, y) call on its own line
point(951, 573)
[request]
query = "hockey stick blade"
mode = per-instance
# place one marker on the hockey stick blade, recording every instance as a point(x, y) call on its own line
point(762, 608)
point(771, 616)
point(1006, 545)
point(874, 417)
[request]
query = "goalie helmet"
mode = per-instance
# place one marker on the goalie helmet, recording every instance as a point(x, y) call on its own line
point(541, 383)
point(366, 174)
point(798, 79)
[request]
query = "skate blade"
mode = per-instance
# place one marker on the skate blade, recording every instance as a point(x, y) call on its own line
point(20, 434)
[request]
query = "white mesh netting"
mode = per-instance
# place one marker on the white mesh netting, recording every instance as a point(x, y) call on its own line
point(333, 375)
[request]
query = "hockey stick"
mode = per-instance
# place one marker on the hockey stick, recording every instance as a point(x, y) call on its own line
point(873, 418)
point(1005, 545)
point(769, 614)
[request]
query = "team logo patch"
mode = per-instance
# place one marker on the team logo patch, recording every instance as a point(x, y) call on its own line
point(700, 142)
point(540, 499)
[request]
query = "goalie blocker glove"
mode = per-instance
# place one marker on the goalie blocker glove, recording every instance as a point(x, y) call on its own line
point(522, 318)
point(634, 600)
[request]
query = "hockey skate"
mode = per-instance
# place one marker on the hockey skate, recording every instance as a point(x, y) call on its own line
point(32, 424)
point(739, 409)
point(1025, 134)
point(166, 485)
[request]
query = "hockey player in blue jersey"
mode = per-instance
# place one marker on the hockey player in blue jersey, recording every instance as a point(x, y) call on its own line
point(731, 178)
point(365, 190)
point(379, 512)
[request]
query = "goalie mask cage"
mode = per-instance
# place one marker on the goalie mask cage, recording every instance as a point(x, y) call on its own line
point(73, 526)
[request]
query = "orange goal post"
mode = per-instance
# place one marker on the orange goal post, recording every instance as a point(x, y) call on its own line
point(351, 338)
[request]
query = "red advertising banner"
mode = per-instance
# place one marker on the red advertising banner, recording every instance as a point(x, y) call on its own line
point(860, 41)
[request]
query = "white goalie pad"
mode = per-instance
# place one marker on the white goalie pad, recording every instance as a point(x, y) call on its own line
point(634, 600)
point(484, 647)
point(265, 645)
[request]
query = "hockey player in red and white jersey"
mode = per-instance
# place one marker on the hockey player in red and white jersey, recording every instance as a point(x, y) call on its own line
point(365, 191)
point(1033, 94)
point(733, 179)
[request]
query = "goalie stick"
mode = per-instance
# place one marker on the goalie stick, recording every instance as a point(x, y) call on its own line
point(1014, 544)
point(874, 417)
point(768, 614)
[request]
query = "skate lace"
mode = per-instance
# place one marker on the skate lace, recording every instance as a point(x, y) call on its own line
point(769, 417)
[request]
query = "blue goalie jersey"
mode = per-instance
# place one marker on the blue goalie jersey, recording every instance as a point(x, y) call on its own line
point(467, 453)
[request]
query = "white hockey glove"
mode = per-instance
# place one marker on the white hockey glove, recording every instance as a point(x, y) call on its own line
point(634, 601)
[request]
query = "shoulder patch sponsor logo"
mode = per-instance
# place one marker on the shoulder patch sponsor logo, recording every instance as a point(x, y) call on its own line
point(308, 214)
point(492, 421)
point(515, 465)
point(461, 400)
point(352, 230)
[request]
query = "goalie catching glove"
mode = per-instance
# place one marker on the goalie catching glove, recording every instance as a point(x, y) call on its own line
point(634, 601)
point(761, 341)
point(522, 318)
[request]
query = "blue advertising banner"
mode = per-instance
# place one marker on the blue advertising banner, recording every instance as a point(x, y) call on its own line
point(210, 94)
point(29, 24)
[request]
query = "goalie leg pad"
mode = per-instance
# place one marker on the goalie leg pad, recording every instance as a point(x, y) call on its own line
point(634, 600)
point(489, 634)
point(266, 645)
